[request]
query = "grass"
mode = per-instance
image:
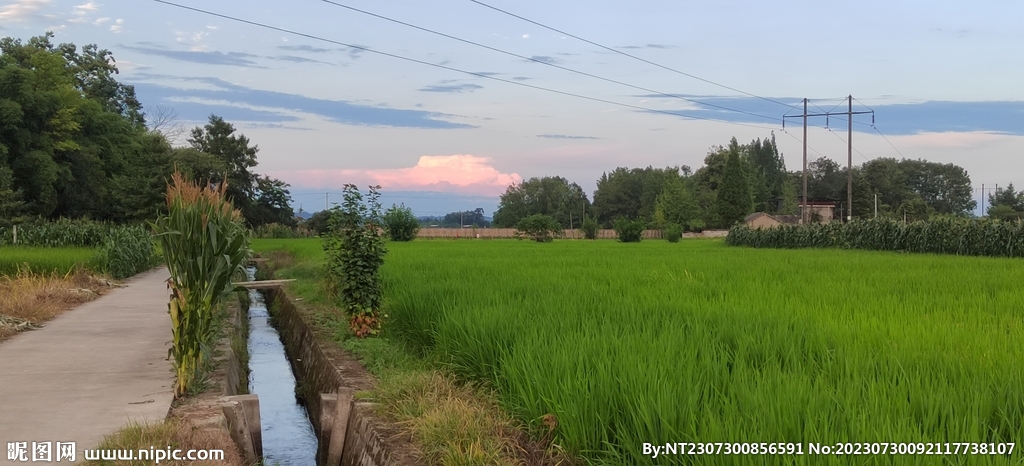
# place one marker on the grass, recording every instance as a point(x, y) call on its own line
point(46, 260)
point(655, 342)
point(620, 344)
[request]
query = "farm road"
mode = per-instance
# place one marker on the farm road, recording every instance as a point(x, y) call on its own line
point(90, 371)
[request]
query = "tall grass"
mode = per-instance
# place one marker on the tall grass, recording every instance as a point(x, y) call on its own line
point(697, 342)
point(205, 245)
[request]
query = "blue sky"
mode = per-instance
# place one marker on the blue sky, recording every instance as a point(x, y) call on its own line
point(942, 77)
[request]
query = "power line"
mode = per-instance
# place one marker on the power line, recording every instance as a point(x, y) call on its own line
point(880, 132)
point(610, 49)
point(449, 68)
point(542, 62)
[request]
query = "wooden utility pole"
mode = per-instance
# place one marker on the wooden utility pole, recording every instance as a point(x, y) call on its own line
point(849, 149)
point(849, 161)
point(803, 209)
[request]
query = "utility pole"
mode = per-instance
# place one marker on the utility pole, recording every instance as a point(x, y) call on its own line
point(849, 149)
point(803, 210)
point(849, 161)
point(876, 205)
point(327, 201)
point(983, 199)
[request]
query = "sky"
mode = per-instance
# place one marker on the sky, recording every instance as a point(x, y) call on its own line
point(332, 95)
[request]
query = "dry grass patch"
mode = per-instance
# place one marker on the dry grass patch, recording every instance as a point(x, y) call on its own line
point(175, 434)
point(28, 300)
point(454, 424)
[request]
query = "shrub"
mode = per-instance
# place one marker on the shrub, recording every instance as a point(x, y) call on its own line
point(673, 232)
point(400, 223)
point(590, 227)
point(539, 227)
point(355, 251)
point(629, 231)
point(696, 224)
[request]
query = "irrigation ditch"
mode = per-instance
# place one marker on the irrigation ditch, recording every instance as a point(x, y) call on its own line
point(304, 394)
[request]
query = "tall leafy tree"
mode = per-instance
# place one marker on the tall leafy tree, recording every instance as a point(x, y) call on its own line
point(217, 138)
point(733, 200)
point(631, 193)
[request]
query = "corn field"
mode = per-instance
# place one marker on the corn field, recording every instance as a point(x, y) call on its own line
point(963, 237)
point(205, 246)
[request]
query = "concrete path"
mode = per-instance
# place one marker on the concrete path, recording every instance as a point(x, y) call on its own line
point(90, 371)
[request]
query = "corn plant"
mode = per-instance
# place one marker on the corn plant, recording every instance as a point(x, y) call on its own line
point(962, 237)
point(205, 245)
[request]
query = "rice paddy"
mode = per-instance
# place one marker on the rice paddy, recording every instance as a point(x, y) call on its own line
point(625, 344)
point(46, 260)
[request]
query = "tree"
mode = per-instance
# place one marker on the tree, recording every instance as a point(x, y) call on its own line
point(400, 223)
point(733, 200)
point(217, 139)
point(319, 222)
point(1006, 197)
point(676, 205)
point(541, 228)
point(11, 204)
point(272, 203)
point(631, 193)
point(473, 218)
point(551, 195)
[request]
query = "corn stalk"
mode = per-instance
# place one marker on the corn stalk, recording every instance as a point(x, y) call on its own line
point(205, 246)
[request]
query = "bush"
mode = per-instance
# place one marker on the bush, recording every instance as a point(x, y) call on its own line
point(127, 251)
point(539, 227)
point(355, 251)
point(696, 225)
point(590, 227)
point(400, 223)
point(629, 231)
point(673, 232)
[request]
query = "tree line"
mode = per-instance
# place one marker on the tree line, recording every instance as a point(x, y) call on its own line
point(739, 179)
point(74, 143)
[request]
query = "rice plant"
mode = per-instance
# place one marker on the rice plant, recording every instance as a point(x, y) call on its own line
point(624, 344)
point(205, 245)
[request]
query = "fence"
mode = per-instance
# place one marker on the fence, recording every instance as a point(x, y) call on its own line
point(495, 233)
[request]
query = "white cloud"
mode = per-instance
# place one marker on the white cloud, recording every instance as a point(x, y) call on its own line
point(99, 22)
point(526, 36)
point(21, 9)
point(116, 28)
point(194, 40)
point(91, 6)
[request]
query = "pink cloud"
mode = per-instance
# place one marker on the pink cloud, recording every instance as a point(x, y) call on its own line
point(464, 174)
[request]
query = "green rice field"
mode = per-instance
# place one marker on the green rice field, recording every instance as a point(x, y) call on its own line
point(697, 341)
point(46, 259)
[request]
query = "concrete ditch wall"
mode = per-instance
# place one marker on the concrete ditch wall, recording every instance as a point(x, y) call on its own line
point(316, 375)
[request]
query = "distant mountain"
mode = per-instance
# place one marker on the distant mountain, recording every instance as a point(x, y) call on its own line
point(304, 215)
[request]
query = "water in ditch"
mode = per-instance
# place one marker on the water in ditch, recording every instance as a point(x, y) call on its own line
point(288, 438)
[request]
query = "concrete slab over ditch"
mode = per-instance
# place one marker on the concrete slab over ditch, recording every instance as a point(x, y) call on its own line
point(91, 370)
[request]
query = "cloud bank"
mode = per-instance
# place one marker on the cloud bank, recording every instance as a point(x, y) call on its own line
point(462, 173)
